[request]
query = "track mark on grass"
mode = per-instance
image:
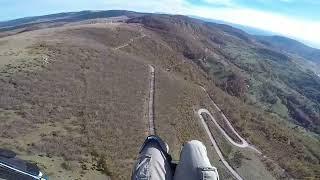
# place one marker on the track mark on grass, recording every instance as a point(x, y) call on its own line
point(131, 41)
point(151, 101)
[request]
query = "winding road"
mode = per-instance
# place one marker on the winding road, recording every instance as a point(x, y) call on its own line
point(243, 144)
point(200, 112)
point(216, 147)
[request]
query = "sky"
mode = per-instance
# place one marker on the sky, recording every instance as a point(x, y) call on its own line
point(298, 19)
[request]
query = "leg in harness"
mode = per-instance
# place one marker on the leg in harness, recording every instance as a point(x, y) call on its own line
point(155, 163)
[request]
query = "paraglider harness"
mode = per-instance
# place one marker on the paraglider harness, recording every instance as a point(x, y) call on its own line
point(13, 168)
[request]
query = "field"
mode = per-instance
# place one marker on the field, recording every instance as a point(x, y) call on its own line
point(74, 100)
point(70, 114)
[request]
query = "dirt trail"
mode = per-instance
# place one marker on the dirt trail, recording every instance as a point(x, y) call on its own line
point(215, 145)
point(151, 102)
point(243, 144)
point(151, 128)
point(130, 41)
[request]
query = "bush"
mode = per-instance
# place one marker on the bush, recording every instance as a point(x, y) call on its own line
point(66, 165)
point(102, 166)
point(236, 160)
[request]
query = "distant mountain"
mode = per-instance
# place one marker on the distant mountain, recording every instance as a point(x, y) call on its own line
point(247, 29)
point(291, 46)
point(269, 95)
point(271, 39)
point(64, 17)
point(267, 38)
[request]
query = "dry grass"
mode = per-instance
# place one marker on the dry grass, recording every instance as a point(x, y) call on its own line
point(245, 161)
point(178, 97)
point(83, 114)
point(275, 137)
point(176, 121)
point(87, 103)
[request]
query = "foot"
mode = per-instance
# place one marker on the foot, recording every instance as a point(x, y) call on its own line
point(153, 138)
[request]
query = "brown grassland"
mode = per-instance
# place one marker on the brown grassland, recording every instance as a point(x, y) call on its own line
point(77, 107)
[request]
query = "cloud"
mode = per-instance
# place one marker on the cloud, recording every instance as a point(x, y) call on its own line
point(300, 29)
point(219, 2)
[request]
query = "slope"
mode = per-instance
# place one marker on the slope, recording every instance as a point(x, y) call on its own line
point(266, 90)
point(76, 103)
point(291, 46)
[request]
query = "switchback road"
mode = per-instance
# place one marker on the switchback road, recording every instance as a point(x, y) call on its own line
point(243, 144)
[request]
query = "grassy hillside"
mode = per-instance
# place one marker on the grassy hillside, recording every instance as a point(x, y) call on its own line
point(291, 46)
point(69, 113)
point(245, 69)
point(75, 105)
point(64, 17)
point(266, 90)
